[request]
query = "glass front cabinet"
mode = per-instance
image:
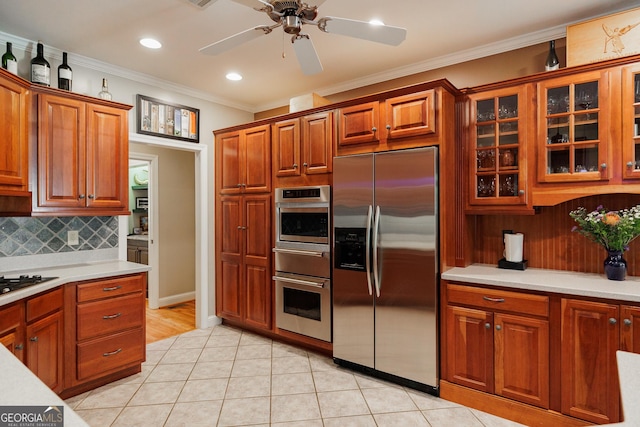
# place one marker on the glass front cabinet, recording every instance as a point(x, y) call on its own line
point(631, 121)
point(497, 154)
point(573, 124)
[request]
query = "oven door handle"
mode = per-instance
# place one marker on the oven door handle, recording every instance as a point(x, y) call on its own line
point(318, 254)
point(367, 260)
point(299, 282)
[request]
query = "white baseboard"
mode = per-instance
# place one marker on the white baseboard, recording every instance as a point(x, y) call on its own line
point(176, 299)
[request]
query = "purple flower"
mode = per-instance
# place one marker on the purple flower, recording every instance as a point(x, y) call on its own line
point(575, 228)
point(599, 208)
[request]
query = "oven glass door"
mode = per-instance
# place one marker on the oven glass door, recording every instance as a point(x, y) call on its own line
point(303, 225)
point(303, 305)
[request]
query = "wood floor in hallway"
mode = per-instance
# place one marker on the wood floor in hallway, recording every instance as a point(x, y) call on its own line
point(169, 321)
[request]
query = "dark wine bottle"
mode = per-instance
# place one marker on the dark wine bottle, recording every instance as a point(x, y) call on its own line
point(40, 68)
point(9, 61)
point(65, 75)
point(552, 62)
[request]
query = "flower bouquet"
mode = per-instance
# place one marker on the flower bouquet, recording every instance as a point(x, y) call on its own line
point(614, 230)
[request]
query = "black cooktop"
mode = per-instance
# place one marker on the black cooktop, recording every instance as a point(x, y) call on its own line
point(8, 284)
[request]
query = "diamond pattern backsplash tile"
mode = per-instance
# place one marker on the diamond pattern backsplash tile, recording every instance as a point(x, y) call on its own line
point(35, 236)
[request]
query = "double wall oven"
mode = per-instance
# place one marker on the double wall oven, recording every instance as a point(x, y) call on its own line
point(303, 260)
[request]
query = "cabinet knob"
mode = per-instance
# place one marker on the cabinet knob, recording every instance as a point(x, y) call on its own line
point(521, 192)
point(91, 196)
point(374, 129)
point(612, 320)
point(487, 325)
point(33, 339)
point(295, 166)
point(238, 185)
point(629, 164)
point(81, 196)
point(388, 127)
point(627, 322)
point(498, 327)
point(603, 165)
point(305, 164)
point(19, 346)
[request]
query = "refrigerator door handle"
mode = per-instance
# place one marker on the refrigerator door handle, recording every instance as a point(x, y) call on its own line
point(376, 227)
point(367, 261)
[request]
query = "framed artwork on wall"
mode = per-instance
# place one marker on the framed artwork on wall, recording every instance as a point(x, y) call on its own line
point(159, 118)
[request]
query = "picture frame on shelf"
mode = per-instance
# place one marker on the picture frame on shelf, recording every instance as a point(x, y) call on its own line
point(142, 203)
point(144, 223)
point(167, 120)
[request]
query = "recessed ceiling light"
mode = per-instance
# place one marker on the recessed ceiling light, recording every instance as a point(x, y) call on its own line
point(234, 76)
point(151, 43)
point(376, 22)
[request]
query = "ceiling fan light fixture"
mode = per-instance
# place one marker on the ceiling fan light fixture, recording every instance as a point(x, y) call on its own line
point(291, 24)
point(234, 76)
point(150, 43)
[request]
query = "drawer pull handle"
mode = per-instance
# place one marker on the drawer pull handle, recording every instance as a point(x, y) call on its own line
point(486, 298)
point(111, 353)
point(112, 316)
point(114, 288)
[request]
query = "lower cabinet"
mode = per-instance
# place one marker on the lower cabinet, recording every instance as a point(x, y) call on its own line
point(33, 330)
point(138, 251)
point(105, 329)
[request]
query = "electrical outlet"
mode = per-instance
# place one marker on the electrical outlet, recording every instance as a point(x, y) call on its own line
point(72, 238)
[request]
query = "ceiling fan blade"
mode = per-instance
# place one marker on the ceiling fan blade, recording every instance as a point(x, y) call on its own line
point(306, 54)
point(235, 40)
point(363, 30)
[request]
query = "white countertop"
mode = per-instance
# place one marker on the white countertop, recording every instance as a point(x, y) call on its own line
point(22, 388)
point(71, 273)
point(555, 281)
point(629, 374)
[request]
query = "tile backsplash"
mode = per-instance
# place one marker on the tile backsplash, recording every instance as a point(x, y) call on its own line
point(47, 235)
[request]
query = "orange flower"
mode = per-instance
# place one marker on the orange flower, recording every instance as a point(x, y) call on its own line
point(611, 218)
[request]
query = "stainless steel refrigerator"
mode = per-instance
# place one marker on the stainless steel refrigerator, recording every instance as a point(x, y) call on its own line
point(385, 272)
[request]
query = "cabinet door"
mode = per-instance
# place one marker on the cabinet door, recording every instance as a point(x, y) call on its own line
point(228, 155)
point(497, 156)
point(631, 121)
point(257, 163)
point(61, 152)
point(574, 122)
point(107, 157)
point(12, 329)
point(286, 147)
point(45, 352)
point(522, 359)
point(358, 124)
point(590, 338)
point(317, 140)
point(257, 260)
point(229, 291)
point(410, 115)
point(470, 348)
point(14, 151)
point(630, 329)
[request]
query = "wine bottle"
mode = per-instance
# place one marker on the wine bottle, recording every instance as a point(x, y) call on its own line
point(40, 68)
point(65, 74)
point(552, 62)
point(9, 61)
point(104, 93)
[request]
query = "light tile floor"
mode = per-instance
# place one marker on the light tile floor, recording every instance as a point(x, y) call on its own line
point(228, 377)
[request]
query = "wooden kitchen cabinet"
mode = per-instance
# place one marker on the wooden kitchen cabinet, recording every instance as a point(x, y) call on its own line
point(497, 155)
point(631, 121)
point(32, 329)
point(82, 155)
point(592, 333)
point(303, 147)
point(14, 151)
point(243, 272)
point(104, 330)
point(498, 342)
point(401, 117)
point(243, 161)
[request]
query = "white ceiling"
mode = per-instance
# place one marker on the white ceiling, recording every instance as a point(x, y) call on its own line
point(438, 33)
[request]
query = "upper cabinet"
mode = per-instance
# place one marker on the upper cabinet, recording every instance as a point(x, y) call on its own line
point(498, 150)
point(303, 148)
point(401, 117)
point(14, 150)
point(244, 161)
point(631, 121)
point(82, 155)
point(573, 128)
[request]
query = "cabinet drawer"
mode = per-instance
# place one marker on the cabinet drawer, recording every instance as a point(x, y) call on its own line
point(107, 316)
point(103, 355)
point(117, 286)
point(11, 317)
point(536, 305)
point(44, 304)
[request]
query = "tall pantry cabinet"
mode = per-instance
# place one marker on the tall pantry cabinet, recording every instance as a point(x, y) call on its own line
point(243, 226)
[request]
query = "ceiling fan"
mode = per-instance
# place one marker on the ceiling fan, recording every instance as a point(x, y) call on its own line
point(291, 15)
